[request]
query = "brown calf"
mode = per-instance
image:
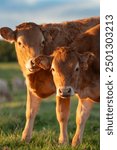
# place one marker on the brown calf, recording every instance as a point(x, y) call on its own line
point(76, 71)
point(30, 40)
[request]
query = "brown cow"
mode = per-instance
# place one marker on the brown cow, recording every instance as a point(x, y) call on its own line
point(76, 70)
point(30, 40)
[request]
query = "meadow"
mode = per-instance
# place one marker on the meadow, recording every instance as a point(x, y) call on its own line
point(46, 128)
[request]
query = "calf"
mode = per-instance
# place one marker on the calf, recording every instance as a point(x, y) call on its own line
point(75, 70)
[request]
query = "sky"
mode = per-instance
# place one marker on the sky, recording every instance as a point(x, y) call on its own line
point(14, 12)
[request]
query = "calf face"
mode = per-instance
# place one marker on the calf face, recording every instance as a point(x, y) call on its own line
point(28, 40)
point(67, 67)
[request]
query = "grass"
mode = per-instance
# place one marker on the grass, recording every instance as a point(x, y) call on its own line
point(46, 129)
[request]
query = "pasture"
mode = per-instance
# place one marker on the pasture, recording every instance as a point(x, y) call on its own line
point(46, 129)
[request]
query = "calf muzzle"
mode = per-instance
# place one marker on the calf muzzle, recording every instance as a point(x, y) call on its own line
point(65, 91)
point(30, 65)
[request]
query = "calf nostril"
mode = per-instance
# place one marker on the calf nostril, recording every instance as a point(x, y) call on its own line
point(69, 90)
point(32, 63)
point(60, 90)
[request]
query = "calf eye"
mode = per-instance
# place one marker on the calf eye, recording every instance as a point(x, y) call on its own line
point(76, 69)
point(52, 69)
point(19, 43)
point(42, 43)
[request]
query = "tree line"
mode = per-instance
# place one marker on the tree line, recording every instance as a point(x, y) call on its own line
point(7, 52)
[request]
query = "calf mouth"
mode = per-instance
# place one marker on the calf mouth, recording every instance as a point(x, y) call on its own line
point(65, 96)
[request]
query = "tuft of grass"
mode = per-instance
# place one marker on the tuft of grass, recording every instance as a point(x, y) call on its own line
point(46, 128)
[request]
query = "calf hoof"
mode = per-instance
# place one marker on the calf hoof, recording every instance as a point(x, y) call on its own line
point(63, 141)
point(75, 142)
point(26, 138)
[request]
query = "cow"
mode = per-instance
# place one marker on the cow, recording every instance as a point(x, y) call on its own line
point(75, 70)
point(31, 40)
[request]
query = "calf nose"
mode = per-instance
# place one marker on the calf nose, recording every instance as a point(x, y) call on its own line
point(29, 64)
point(32, 63)
point(65, 92)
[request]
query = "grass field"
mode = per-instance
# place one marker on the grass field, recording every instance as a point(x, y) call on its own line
point(46, 129)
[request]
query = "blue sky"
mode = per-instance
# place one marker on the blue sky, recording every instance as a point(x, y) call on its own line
point(14, 12)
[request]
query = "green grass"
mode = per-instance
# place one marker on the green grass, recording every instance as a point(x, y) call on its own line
point(46, 129)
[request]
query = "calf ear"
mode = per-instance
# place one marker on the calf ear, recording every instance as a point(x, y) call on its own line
point(43, 61)
point(8, 34)
point(85, 59)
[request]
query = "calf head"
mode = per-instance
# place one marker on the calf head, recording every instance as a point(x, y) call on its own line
point(67, 67)
point(28, 40)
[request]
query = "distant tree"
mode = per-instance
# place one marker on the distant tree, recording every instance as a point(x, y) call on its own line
point(7, 52)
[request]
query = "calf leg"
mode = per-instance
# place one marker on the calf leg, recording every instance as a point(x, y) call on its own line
point(31, 111)
point(82, 114)
point(62, 112)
